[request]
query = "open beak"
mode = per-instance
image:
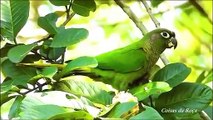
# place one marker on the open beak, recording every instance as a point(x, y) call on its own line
point(172, 43)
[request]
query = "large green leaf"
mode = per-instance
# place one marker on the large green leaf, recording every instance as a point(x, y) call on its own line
point(42, 112)
point(184, 100)
point(14, 14)
point(94, 91)
point(34, 108)
point(19, 74)
point(78, 63)
point(48, 23)
point(60, 2)
point(173, 74)
point(144, 91)
point(70, 36)
point(18, 53)
point(4, 50)
point(83, 7)
point(149, 114)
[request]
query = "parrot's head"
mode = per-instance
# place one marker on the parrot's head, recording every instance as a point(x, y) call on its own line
point(163, 38)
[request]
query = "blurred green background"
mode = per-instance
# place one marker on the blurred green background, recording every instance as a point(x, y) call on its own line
point(110, 28)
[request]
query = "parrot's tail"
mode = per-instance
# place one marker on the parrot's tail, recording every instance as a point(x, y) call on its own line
point(85, 72)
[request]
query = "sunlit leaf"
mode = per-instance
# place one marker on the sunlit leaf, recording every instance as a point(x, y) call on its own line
point(14, 14)
point(173, 74)
point(17, 53)
point(48, 23)
point(70, 36)
point(19, 74)
point(144, 91)
point(94, 91)
point(49, 71)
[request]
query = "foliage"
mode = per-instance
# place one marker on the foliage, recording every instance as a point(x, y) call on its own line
point(40, 68)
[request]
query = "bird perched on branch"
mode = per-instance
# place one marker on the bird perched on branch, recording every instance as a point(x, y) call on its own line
point(121, 67)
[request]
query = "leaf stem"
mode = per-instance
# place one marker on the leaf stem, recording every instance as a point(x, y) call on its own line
point(132, 16)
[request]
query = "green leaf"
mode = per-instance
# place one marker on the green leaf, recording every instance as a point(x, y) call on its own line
point(149, 114)
point(83, 7)
point(70, 36)
point(155, 3)
point(14, 13)
point(144, 91)
point(60, 2)
point(6, 85)
point(121, 109)
point(48, 23)
point(5, 50)
point(77, 115)
point(49, 71)
point(19, 74)
point(173, 74)
point(49, 52)
point(202, 78)
point(5, 97)
point(30, 58)
point(55, 53)
point(15, 108)
point(184, 100)
point(42, 112)
point(78, 63)
point(18, 53)
point(33, 108)
point(94, 91)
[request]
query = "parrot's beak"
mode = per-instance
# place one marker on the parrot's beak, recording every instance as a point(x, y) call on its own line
point(172, 42)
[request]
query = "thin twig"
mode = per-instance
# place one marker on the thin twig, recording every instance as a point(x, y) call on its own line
point(132, 16)
point(30, 90)
point(149, 11)
point(43, 39)
point(68, 19)
point(157, 24)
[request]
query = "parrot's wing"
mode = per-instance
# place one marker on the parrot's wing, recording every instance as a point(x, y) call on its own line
point(127, 59)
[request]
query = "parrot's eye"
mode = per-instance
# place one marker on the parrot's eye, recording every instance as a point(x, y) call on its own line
point(165, 34)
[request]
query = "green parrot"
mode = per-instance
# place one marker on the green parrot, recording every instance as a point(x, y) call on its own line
point(121, 67)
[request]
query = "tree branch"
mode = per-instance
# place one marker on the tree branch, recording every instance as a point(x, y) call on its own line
point(200, 9)
point(132, 16)
point(149, 11)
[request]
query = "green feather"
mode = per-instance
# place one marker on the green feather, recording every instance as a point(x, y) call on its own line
point(121, 67)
